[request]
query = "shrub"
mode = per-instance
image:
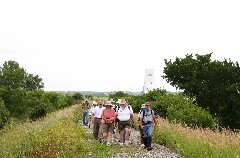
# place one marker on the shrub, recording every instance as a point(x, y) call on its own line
point(4, 114)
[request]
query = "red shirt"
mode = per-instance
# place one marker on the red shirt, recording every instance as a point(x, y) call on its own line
point(108, 113)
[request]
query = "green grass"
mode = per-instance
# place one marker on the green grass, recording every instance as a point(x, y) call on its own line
point(57, 135)
point(197, 143)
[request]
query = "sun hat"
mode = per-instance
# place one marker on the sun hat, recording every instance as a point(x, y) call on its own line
point(143, 106)
point(121, 101)
point(94, 103)
point(112, 101)
point(108, 103)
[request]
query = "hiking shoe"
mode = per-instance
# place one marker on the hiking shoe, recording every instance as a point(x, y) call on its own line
point(108, 144)
point(121, 144)
point(149, 148)
point(127, 143)
point(142, 145)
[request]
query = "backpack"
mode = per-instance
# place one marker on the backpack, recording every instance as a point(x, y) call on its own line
point(117, 107)
point(144, 113)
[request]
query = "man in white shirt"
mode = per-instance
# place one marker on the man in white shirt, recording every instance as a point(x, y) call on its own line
point(125, 120)
point(96, 119)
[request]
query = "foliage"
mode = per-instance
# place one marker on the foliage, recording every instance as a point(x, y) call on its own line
point(118, 95)
point(197, 142)
point(90, 97)
point(213, 85)
point(14, 77)
point(4, 114)
point(176, 107)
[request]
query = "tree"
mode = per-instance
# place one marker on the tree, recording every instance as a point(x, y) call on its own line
point(213, 85)
point(13, 76)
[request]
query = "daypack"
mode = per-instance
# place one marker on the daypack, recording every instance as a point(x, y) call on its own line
point(144, 114)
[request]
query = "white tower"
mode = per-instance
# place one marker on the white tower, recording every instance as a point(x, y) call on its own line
point(149, 80)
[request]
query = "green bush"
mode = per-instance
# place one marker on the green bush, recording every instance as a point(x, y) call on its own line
point(177, 107)
point(4, 114)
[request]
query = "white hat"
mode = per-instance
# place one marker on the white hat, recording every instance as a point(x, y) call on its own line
point(121, 101)
point(112, 101)
point(143, 106)
point(94, 103)
point(108, 103)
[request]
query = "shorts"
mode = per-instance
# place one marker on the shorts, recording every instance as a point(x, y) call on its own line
point(123, 124)
point(108, 127)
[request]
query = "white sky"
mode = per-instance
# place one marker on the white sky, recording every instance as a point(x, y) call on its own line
point(106, 45)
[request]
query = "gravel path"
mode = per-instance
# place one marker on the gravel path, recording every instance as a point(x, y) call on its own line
point(158, 151)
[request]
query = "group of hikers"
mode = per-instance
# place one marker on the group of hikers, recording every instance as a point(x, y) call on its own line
point(113, 120)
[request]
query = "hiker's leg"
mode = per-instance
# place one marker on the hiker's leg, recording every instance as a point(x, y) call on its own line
point(121, 131)
point(100, 132)
point(145, 135)
point(83, 118)
point(87, 116)
point(127, 134)
point(141, 135)
point(105, 131)
point(95, 128)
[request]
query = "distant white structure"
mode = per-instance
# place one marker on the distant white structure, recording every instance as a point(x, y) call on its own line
point(149, 81)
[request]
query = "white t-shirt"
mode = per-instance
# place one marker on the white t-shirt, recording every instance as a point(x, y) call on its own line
point(91, 110)
point(123, 114)
point(98, 111)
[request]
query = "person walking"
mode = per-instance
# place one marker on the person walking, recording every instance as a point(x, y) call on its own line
point(85, 107)
point(147, 123)
point(94, 104)
point(140, 129)
point(108, 118)
point(96, 119)
point(125, 120)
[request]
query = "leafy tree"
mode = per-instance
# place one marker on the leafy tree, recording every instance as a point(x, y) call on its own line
point(13, 76)
point(213, 85)
point(118, 95)
point(77, 96)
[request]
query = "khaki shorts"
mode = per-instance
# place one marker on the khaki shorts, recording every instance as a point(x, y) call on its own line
point(108, 127)
point(123, 124)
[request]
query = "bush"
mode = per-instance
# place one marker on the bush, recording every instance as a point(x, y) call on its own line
point(4, 114)
point(177, 107)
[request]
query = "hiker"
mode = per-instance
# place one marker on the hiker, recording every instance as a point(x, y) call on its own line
point(108, 118)
point(94, 104)
point(140, 129)
point(147, 123)
point(125, 119)
point(85, 107)
point(96, 119)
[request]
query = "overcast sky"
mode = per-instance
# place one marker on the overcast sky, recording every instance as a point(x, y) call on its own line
point(106, 45)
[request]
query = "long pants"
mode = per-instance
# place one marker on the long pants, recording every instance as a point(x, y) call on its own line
point(97, 128)
point(85, 117)
point(147, 135)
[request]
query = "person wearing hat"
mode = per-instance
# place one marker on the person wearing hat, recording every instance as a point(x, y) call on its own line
point(108, 117)
point(125, 118)
point(147, 121)
point(140, 129)
point(94, 104)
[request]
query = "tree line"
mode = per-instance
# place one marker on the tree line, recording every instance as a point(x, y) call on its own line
point(22, 96)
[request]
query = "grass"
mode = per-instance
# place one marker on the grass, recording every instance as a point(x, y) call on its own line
point(57, 135)
point(198, 142)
